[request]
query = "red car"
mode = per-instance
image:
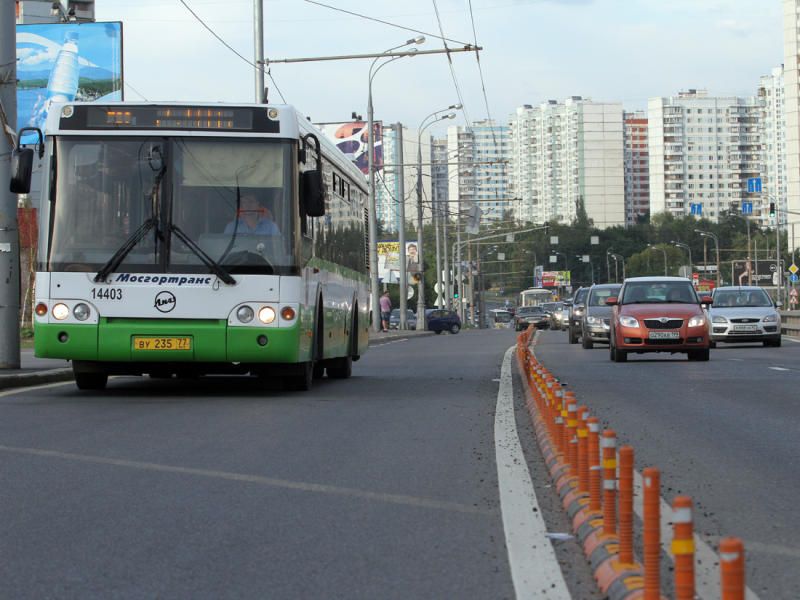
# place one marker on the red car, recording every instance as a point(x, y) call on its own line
point(659, 314)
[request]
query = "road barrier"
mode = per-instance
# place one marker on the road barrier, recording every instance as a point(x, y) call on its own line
point(581, 460)
point(790, 323)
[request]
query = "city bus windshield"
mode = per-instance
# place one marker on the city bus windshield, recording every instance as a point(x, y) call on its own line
point(231, 199)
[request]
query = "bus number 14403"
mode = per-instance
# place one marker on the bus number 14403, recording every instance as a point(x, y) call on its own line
point(107, 294)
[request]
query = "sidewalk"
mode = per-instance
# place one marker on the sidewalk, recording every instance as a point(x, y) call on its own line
point(35, 371)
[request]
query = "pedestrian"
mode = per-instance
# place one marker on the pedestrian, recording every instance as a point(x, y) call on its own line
point(386, 311)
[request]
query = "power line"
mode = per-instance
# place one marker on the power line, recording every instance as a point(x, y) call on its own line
point(452, 68)
point(232, 49)
point(480, 72)
point(355, 14)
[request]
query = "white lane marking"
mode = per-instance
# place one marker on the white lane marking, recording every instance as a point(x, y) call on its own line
point(303, 486)
point(706, 561)
point(534, 567)
point(778, 369)
point(30, 388)
point(791, 339)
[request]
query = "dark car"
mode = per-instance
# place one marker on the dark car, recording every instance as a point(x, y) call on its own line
point(394, 319)
point(440, 320)
point(596, 321)
point(531, 315)
point(576, 308)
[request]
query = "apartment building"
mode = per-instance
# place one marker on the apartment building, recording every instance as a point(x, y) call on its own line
point(702, 151)
point(773, 142)
point(637, 167)
point(565, 153)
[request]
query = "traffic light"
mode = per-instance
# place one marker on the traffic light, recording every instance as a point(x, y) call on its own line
point(455, 295)
point(771, 209)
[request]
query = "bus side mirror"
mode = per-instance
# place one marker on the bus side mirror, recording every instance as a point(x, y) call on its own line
point(21, 170)
point(313, 194)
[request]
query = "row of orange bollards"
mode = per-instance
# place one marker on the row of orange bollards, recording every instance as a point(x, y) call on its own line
point(597, 492)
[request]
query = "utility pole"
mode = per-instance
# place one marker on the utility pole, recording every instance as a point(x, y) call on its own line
point(258, 33)
point(9, 233)
point(401, 228)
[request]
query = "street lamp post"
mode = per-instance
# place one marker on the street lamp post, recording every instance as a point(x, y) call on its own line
point(373, 217)
point(652, 247)
point(421, 325)
point(708, 234)
point(688, 249)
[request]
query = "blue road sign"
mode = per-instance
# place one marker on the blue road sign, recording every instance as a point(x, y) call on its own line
point(793, 278)
point(747, 208)
point(696, 209)
point(754, 185)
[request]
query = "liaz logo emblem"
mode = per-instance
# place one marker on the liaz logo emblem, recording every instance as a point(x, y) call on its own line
point(165, 302)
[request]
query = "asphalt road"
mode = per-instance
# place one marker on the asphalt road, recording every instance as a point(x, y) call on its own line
point(380, 486)
point(726, 432)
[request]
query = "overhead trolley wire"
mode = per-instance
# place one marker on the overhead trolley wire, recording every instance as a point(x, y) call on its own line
point(232, 49)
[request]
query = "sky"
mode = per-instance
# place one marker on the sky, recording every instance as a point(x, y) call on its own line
point(533, 50)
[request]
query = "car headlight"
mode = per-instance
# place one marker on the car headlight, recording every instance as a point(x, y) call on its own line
point(773, 318)
point(627, 321)
point(719, 319)
point(697, 321)
point(593, 320)
point(578, 312)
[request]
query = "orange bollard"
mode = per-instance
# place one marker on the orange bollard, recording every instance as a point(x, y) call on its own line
point(609, 446)
point(583, 448)
point(572, 433)
point(731, 563)
point(683, 547)
point(652, 533)
point(625, 525)
point(595, 470)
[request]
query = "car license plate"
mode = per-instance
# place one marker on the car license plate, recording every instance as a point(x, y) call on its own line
point(162, 343)
point(663, 335)
point(745, 328)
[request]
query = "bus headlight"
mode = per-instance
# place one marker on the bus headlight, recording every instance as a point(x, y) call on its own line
point(245, 314)
point(81, 311)
point(266, 315)
point(60, 311)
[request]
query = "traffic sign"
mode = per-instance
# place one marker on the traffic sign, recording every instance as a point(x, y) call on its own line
point(754, 185)
point(747, 208)
point(793, 278)
point(793, 269)
point(793, 293)
point(696, 209)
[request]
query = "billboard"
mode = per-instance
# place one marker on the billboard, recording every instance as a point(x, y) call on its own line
point(353, 140)
point(389, 260)
point(555, 278)
point(64, 63)
point(763, 272)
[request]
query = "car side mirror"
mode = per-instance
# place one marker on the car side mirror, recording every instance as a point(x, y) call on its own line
point(612, 301)
point(779, 305)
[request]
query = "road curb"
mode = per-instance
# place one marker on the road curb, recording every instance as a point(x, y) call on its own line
point(36, 378)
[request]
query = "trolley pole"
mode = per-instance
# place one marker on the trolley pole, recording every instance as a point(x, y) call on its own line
point(9, 233)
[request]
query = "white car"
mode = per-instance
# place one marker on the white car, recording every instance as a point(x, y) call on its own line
point(744, 314)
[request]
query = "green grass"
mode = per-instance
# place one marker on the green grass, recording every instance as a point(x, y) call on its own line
point(26, 337)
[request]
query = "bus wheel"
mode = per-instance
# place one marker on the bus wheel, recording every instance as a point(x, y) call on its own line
point(302, 381)
point(319, 370)
point(91, 381)
point(340, 368)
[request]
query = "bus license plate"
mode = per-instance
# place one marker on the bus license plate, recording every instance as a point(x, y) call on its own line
point(664, 335)
point(162, 343)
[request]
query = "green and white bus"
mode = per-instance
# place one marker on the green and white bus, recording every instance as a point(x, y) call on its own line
point(179, 240)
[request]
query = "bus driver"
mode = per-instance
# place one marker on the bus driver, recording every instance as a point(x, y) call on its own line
point(253, 218)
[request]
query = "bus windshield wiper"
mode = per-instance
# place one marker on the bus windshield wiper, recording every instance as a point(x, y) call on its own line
point(125, 249)
point(205, 258)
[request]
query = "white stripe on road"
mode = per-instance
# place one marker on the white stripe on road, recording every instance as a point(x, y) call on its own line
point(534, 567)
point(778, 369)
point(31, 388)
point(706, 561)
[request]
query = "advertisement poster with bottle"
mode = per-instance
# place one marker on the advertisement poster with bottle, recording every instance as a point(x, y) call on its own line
point(65, 62)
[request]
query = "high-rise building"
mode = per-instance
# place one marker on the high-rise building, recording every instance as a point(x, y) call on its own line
point(703, 150)
point(637, 167)
point(439, 174)
point(567, 153)
point(791, 73)
point(387, 179)
point(773, 140)
point(48, 11)
point(478, 158)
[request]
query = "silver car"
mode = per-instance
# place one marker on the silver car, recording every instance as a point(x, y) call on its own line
point(744, 314)
point(597, 316)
